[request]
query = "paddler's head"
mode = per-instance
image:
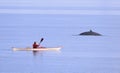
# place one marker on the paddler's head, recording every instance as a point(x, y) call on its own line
point(34, 42)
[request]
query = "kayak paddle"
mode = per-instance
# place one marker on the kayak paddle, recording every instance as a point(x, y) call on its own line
point(41, 40)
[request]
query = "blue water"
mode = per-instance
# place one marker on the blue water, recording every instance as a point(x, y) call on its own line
point(79, 54)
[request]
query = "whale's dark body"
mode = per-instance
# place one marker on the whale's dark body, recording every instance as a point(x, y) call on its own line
point(90, 33)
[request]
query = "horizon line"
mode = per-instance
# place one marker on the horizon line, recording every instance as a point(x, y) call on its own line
point(74, 12)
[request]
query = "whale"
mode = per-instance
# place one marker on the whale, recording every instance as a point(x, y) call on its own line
point(90, 33)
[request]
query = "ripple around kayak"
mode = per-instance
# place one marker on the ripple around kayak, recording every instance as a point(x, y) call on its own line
point(90, 33)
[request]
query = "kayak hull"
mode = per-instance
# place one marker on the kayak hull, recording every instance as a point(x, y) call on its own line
point(37, 49)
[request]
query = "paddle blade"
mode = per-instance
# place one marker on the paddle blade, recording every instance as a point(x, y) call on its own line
point(41, 40)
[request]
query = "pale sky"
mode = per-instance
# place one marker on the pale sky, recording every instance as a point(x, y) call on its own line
point(61, 3)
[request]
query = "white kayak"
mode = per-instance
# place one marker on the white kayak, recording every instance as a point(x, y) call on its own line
point(37, 49)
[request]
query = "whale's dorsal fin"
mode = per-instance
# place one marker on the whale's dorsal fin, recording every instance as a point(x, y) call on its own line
point(91, 30)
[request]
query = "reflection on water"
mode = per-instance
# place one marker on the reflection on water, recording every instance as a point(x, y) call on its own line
point(40, 53)
point(35, 53)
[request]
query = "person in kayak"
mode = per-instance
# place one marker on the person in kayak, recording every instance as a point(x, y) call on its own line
point(35, 45)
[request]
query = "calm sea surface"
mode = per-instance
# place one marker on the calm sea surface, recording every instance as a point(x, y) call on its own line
point(79, 54)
